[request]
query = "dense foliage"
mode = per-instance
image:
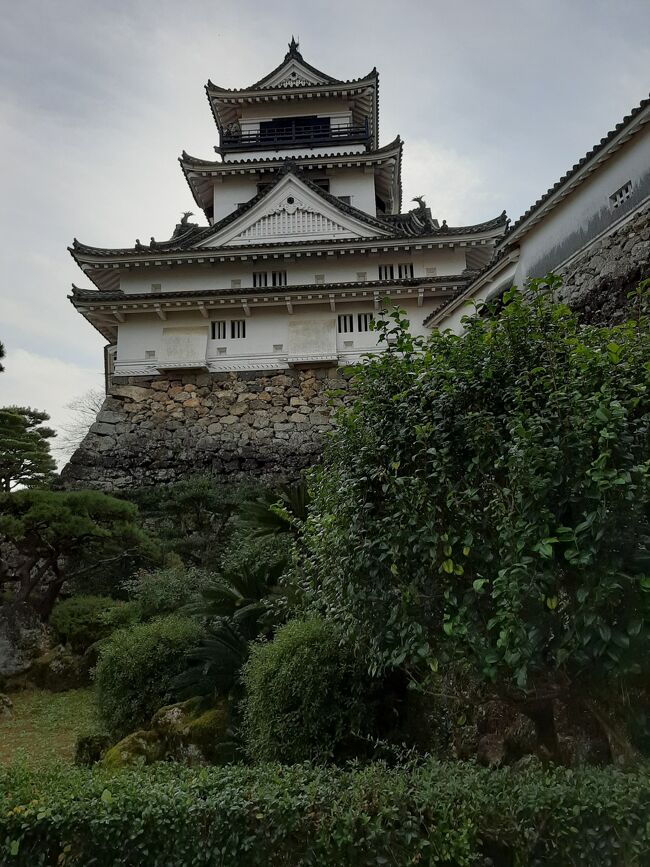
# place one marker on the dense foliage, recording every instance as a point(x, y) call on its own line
point(58, 536)
point(25, 458)
point(80, 621)
point(136, 669)
point(165, 591)
point(486, 499)
point(305, 697)
point(271, 816)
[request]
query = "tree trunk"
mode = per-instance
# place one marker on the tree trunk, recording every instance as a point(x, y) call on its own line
point(622, 751)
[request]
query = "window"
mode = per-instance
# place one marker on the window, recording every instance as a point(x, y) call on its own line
point(386, 272)
point(156, 287)
point(219, 330)
point(363, 321)
point(405, 271)
point(345, 323)
point(150, 353)
point(362, 275)
point(235, 284)
point(431, 271)
point(319, 278)
point(347, 200)
point(323, 183)
point(621, 195)
point(262, 279)
point(237, 328)
point(278, 347)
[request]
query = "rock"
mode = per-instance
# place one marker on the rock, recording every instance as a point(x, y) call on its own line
point(23, 637)
point(6, 706)
point(108, 417)
point(140, 748)
point(90, 748)
point(491, 750)
point(58, 670)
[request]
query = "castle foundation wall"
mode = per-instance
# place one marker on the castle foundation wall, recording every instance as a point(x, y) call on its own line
point(233, 426)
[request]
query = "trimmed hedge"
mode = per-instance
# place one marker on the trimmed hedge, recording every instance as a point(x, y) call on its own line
point(278, 816)
point(305, 697)
point(136, 670)
point(82, 620)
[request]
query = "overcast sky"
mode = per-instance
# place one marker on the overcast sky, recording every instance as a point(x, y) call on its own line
point(494, 100)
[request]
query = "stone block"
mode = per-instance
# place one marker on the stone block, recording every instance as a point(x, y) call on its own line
point(133, 392)
point(108, 417)
point(102, 429)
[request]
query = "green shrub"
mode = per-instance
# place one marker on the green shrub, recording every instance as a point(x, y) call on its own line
point(304, 695)
point(82, 620)
point(165, 591)
point(270, 816)
point(136, 668)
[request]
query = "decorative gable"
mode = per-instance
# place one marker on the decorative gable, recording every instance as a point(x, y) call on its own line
point(294, 74)
point(292, 211)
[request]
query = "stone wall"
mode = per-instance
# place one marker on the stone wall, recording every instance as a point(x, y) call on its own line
point(233, 426)
point(597, 282)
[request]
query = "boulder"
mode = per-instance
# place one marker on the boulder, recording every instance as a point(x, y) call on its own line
point(23, 637)
point(58, 670)
point(140, 748)
point(6, 707)
point(90, 748)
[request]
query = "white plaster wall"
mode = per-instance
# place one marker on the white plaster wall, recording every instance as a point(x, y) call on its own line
point(295, 108)
point(231, 192)
point(358, 184)
point(295, 152)
point(299, 271)
point(266, 328)
point(587, 211)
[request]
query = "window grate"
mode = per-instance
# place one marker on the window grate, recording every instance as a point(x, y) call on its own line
point(219, 330)
point(237, 329)
point(345, 323)
point(363, 321)
point(386, 272)
point(621, 195)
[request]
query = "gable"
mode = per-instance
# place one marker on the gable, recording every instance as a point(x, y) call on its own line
point(292, 211)
point(294, 74)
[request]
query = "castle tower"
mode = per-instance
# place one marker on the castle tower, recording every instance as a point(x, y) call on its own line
point(304, 236)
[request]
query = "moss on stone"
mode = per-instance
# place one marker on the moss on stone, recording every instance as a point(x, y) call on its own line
point(143, 747)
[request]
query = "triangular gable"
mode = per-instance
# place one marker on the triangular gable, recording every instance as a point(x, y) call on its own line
point(293, 73)
point(293, 211)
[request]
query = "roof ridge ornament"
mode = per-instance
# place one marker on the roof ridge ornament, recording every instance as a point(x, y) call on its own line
point(293, 48)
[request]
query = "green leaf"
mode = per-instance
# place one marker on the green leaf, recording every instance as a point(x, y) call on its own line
point(14, 847)
point(479, 583)
point(107, 798)
point(448, 566)
point(551, 602)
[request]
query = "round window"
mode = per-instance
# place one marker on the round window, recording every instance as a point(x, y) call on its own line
point(290, 200)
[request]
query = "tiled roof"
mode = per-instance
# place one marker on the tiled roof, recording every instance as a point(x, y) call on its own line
point(79, 294)
point(190, 161)
point(412, 224)
point(292, 54)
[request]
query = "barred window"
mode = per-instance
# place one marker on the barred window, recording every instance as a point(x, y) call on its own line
point(345, 323)
point(237, 328)
point(405, 271)
point(219, 330)
point(260, 279)
point(363, 321)
point(278, 278)
point(386, 272)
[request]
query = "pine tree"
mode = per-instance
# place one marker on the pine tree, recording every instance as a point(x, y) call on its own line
point(25, 458)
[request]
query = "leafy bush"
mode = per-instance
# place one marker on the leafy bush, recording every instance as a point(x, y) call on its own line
point(165, 591)
point(486, 498)
point(136, 668)
point(304, 695)
point(270, 816)
point(82, 620)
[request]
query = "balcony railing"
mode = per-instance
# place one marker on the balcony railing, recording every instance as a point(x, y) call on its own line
point(295, 136)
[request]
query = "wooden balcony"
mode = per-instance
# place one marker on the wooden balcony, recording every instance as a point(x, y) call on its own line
point(295, 135)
